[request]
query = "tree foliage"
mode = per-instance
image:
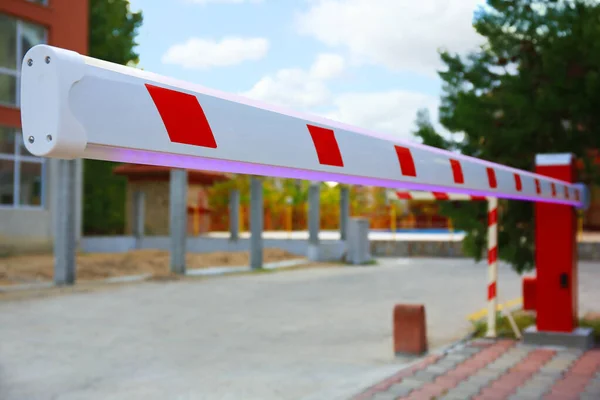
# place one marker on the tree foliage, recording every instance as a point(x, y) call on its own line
point(533, 87)
point(113, 28)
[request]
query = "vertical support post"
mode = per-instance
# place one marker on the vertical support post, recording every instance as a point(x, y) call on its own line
point(556, 251)
point(344, 211)
point(139, 217)
point(178, 218)
point(314, 220)
point(492, 265)
point(256, 223)
point(289, 216)
point(64, 235)
point(580, 215)
point(393, 219)
point(234, 215)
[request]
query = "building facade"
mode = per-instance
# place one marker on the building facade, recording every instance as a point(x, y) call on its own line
point(26, 196)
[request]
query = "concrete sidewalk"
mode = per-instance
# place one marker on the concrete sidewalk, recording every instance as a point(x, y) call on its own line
point(504, 369)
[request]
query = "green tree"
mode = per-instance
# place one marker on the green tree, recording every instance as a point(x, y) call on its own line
point(113, 28)
point(533, 87)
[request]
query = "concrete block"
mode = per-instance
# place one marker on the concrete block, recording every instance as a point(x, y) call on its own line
point(358, 242)
point(410, 334)
point(580, 338)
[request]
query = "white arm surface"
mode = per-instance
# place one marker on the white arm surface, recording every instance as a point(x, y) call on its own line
point(74, 106)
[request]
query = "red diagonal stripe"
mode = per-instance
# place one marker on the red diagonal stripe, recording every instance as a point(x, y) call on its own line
point(567, 192)
point(478, 198)
point(403, 195)
point(326, 146)
point(518, 183)
point(493, 217)
point(492, 291)
point(457, 172)
point(440, 196)
point(182, 116)
point(553, 189)
point(407, 163)
point(492, 177)
point(538, 187)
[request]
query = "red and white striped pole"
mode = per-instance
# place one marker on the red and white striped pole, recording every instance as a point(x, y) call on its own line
point(492, 265)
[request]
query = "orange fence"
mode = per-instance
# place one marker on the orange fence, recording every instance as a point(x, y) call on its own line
point(277, 220)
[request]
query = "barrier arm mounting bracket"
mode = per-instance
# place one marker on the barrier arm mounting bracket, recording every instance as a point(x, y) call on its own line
point(73, 106)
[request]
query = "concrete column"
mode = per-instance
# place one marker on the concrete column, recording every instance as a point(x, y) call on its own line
point(344, 211)
point(139, 217)
point(178, 218)
point(256, 223)
point(314, 220)
point(234, 214)
point(78, 201)
point(65, 226)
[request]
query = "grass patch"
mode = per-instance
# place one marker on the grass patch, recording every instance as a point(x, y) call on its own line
point(523, 320)
point(591, 323)
point(503, 327)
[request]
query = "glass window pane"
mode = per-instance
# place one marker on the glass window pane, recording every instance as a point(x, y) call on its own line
point(30, 36)
point(43, 2)
point(7, 182)
point(31, 184)
point(7, 140)
point(8, 89)
point(8, 42)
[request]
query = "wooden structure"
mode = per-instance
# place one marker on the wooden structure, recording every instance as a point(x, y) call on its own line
point(154, 182)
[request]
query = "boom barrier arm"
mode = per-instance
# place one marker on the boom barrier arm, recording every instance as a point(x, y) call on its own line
point(74, 106)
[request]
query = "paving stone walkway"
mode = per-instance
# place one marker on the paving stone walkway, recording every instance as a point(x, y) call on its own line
point(494, 370)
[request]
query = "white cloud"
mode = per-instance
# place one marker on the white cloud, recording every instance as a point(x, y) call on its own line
point(205, 53)
point(327, 66)
point(299, 88)
point(400, 34)
point(392, 112)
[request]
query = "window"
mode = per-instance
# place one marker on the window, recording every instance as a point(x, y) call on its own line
point(21, 174)
point(42, 2)
point(16, 38)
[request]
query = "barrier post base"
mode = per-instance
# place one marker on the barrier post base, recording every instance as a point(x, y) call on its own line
point(580, 338)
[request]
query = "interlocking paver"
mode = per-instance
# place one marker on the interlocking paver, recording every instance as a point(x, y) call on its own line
point(425, 376)
point(481, 378)
point(438, 369)
point(461, 393)
point(533, 391)
point(399, 389)
point(384, 396)
point(502, 370)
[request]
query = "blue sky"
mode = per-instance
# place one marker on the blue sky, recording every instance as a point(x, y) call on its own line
point(370, 63)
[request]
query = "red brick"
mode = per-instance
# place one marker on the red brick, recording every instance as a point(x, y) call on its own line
point(563, 395)
point(410, 333)
point(448, 382)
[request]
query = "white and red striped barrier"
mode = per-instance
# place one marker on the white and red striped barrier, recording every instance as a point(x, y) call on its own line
point(424, 196)
point(74, 106)
point(492, 295)
point(492, 245)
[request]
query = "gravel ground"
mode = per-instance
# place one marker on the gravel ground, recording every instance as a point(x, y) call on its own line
point(39, 268)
